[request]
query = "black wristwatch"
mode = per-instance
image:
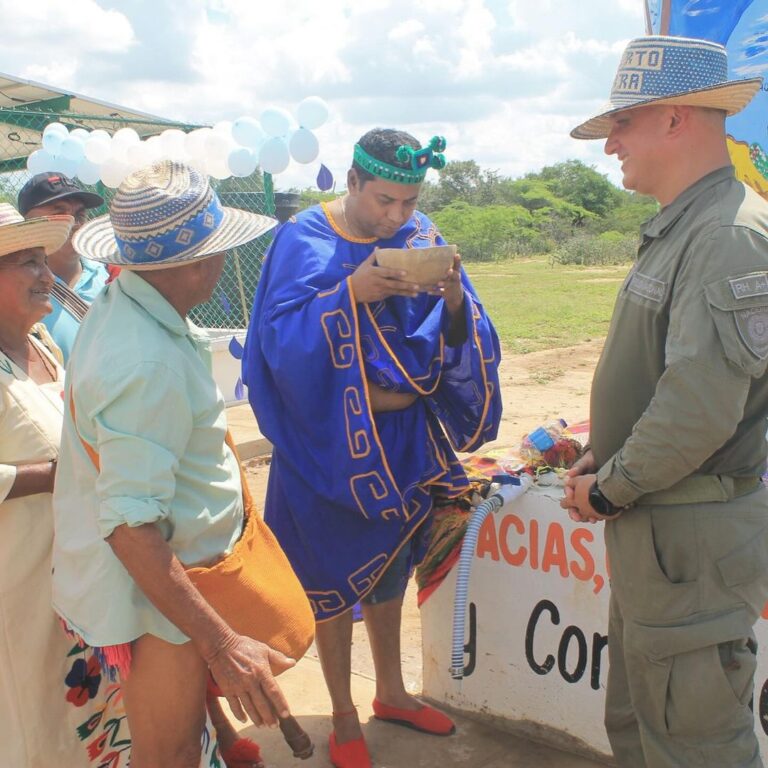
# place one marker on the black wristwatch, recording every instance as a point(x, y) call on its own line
point(600, 504)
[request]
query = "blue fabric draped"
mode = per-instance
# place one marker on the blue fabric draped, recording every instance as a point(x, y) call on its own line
point(348, 487)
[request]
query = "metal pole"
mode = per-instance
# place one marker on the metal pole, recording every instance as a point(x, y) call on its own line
point(241, 288)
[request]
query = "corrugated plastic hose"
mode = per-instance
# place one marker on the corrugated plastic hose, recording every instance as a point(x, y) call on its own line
point(511, 488)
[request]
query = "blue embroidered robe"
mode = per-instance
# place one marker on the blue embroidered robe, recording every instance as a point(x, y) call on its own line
point(348, 487)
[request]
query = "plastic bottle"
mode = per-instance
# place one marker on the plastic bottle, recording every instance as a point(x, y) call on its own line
point(541, 439)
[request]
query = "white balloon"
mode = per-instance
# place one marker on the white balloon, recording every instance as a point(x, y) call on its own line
point(138, 156)
point(248, 132)
point(39, 162)
point(194, 141)
point(88, 172)
point(304, 146)
point(98, 147)
point(58, 128)
point(218, 168)
point(274, 156)
point(242, 162)
point(200, 164)
point(224, 127)
point(113, 172)
point(124, 138)
point(275, 121)
point(154, 149)
point(72, 148)
point(172, 143)
point(218, 146)
point(80, 133)
point(312, 112)
point(52, 140)
point(99, 134)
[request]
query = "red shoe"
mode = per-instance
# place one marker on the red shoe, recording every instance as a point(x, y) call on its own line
point(244, 753)
point(350, 754)
point(425, 719)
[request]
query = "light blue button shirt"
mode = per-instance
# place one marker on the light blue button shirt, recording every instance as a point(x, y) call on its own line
point(62, 326)
point(146, 402)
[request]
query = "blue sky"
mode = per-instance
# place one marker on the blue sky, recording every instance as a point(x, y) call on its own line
point(504, 81)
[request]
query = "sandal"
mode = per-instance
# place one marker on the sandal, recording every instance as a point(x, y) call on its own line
point(425, 719)
point(350, 754)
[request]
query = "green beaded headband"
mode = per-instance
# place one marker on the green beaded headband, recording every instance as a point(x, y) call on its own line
point(419, 161)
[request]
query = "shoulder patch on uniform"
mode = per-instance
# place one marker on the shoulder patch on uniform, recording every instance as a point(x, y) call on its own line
point(747, 286)
point(753, 329)
point(648, 287)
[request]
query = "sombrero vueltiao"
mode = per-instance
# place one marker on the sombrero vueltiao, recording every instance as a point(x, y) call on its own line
point(166, 215)
point(46, 232)
point(671, 70)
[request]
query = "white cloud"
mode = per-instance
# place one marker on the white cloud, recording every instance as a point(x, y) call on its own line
point(504, 80)
point(73, 26)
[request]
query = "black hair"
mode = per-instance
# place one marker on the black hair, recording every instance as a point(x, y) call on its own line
point(383, 143)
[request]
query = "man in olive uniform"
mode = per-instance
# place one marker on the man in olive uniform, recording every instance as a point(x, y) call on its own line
point(678, 420)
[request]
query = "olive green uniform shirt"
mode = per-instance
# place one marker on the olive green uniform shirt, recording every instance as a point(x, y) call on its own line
point(681, 385)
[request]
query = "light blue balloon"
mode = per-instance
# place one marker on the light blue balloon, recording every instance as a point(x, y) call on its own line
point(242, 162)
point(72, 148)
point(247, 132)
point(65, 165)
point(39, 161)
point(88, 172)
point(304, 146)
point(274, 156)
point(275, 121)
point(312, 112)
point(52, 142)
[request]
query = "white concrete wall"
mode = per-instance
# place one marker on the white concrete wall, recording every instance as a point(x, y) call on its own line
point(540, 588)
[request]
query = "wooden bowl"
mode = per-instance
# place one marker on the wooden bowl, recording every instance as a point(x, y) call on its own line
point(424, 266)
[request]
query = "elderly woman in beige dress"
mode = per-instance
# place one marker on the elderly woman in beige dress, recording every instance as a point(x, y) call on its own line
point(55, 709)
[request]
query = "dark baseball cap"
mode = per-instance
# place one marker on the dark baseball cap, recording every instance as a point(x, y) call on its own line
point(46, 187)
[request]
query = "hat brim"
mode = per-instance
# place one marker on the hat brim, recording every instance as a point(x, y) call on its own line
point(731, 97)
point(96, 240)
point(46, 232)
point(89, 200)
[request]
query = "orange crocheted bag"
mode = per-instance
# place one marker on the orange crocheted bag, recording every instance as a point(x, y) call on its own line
point(254, 588)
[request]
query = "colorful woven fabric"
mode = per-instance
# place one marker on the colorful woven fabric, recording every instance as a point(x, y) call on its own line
point(449, 523)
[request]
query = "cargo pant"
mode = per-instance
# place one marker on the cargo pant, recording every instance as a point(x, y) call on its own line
point(688, 582)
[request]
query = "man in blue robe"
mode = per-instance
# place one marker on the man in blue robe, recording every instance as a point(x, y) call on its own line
point(365, 384)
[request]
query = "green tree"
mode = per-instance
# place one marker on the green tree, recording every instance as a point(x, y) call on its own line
point(580, 185)
point(460, 180)
point(485, 233)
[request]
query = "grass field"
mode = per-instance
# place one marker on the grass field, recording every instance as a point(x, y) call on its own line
point(538, 306)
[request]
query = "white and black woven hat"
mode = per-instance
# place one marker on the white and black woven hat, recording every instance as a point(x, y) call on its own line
point(46, 232)
point(163, 216)
point(671, 70)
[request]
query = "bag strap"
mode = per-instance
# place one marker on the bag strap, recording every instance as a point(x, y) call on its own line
point(92, 455)
point(69, 300)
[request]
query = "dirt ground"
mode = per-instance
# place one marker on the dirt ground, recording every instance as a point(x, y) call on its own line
point(535, 388)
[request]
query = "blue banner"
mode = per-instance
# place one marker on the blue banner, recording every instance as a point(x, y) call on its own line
point(742, 27)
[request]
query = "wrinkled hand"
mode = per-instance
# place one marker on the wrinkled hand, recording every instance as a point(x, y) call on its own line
point(243, 669)
point(370, 282)
point(450, 288)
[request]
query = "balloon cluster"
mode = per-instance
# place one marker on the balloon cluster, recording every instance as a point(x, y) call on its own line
point(227, 149)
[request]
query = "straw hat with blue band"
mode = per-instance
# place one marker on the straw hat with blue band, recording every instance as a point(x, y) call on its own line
point(164, 216)
point(671, 70)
